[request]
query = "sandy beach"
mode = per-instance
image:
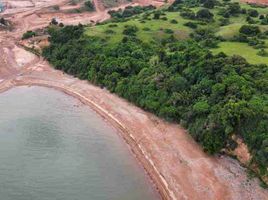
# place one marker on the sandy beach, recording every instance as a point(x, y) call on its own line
point(174, 161)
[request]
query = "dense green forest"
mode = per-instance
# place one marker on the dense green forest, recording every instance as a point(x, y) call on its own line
point(211, 94)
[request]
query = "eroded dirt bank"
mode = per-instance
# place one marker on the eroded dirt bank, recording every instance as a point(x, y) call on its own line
point(174, 161)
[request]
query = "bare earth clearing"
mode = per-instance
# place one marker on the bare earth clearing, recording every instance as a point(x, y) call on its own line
point(176, 164)
point(264, 2)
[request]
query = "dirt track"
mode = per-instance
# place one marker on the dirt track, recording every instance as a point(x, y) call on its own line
point(174, 161)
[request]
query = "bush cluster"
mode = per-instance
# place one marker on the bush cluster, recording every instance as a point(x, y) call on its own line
point(28, 34)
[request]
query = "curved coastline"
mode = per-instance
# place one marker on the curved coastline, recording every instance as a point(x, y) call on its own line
point(159, 181)
point(56, 147)
point(174, 162)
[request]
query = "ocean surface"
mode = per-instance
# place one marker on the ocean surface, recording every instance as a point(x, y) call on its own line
point(52, 147)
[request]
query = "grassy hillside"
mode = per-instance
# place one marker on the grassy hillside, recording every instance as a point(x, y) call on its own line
point(173, 23)
point(242, 49)
point(168, 62)
point(149, 29)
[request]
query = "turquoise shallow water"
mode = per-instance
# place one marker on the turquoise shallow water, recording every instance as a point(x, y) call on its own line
point(54, 148)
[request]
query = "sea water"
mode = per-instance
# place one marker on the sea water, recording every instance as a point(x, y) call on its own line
point(52, 147)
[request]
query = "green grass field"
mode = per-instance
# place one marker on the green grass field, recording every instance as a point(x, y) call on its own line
point(150, 29)
point(155, 28)
point(242, 49)
point(229, 31)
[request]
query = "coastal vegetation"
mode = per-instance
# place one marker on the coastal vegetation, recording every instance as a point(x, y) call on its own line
point(28, 34)
point(202, 64)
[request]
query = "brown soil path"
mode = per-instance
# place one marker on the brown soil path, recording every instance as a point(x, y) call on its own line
point(177, 165)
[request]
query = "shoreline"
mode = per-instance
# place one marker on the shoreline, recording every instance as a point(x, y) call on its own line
point(171, 176)
point(146, 163)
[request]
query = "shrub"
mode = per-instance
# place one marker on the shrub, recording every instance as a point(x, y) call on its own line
point(112, 25)
point(241, 38)
point(188, 14)
point(28, 34)
point(264, 21)
point(224, 21)
point(250, 20)
point(201, 107)
point(173, 21)
point(191, 25)
point(109, 31)
point(157, 15)
point(224, 12)
point(206, 37)
point(175, 6)
point(3, 21)
point(146, 29)
point(263, 53)
point(169, 31)
point(67, 33)
point(253, 13)
point(89, 6)
point(243, 11)
point(257, 44)
point(56, 7)
point(130, 11)
point(54, 22)
point(209, 4)
point(164, 18)
point(249, 30)
point(204, 14)
point(130, 30)
point(262, 36)
point(176, 2)
point(261, 17)
point(234, 8)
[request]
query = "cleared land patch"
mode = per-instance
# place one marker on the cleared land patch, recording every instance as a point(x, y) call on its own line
point(242, 49)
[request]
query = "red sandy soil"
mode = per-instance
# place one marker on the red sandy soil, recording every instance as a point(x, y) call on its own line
point(174, 161)
point(261, 2)
point(241, 151)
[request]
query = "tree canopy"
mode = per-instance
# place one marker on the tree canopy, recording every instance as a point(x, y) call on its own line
point(213, 96)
